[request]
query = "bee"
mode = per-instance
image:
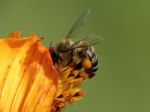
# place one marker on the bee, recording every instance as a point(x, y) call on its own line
point(79, 55)
point(75, 62)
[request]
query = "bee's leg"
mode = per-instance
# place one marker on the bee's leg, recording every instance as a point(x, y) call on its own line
point(71, 59)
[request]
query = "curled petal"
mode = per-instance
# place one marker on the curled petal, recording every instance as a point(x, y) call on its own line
point(28, 79)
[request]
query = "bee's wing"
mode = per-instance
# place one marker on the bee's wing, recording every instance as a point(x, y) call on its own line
point(89, 40)
point(79, 22)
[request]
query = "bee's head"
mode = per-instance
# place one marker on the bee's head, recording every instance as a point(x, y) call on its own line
point(63, 46)
point(62, 49)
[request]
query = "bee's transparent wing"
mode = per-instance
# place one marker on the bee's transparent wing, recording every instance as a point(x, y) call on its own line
point(89, 40)
point(92, 40)
point(79, 22)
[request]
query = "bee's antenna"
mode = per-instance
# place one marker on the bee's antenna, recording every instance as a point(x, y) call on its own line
point(50, 46)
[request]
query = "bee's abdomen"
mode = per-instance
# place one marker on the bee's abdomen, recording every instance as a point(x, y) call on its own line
point(88, 63)
point(91, 55)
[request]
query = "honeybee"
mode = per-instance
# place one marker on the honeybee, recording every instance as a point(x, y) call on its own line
point(80, 55)
point(75, 62)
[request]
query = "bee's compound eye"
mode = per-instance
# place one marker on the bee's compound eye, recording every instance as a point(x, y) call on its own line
point(86, 63)
point(61, 47)
point(64, 46)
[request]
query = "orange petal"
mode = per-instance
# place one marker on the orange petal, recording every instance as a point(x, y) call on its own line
point(28, 79)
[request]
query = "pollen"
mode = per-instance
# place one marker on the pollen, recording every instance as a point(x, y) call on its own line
point(75, 72)
point(84, 75)
point(86, 63)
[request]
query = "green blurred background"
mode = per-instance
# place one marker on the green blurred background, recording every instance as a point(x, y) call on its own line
point(123, 83)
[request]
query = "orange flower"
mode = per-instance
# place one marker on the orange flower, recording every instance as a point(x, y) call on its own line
point(28, 79)
point(29, 82)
